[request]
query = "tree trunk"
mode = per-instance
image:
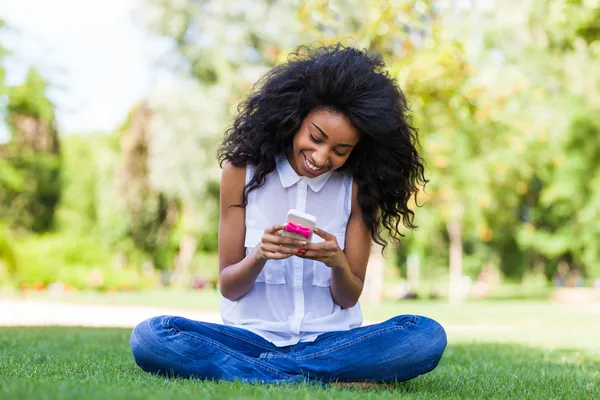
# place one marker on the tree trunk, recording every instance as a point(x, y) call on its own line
point(413, 270)
point(456, 254)
point(34, 133)
point(373, 288)
point(182, 276)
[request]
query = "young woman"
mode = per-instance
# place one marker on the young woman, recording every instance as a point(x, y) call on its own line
point(328, 134)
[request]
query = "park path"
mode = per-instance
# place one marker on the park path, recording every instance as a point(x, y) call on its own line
point(19, 312)
point(32, 312)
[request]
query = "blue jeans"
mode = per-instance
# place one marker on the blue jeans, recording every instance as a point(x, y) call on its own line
point(398, 349)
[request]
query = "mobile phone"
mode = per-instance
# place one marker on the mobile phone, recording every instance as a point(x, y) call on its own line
point(299, 225)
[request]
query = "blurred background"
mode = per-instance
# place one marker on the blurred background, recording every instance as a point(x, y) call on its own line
point(112, 111)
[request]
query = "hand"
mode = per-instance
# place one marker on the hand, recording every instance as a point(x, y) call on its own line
point(272, 247)
point(327, 252)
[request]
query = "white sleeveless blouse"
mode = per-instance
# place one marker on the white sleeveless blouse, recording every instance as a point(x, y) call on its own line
point(291, 300)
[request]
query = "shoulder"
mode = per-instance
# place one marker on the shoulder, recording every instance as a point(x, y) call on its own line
point(233, 173)
point(233, 180)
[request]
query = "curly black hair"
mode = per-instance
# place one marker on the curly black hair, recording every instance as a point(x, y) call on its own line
point(385, 164)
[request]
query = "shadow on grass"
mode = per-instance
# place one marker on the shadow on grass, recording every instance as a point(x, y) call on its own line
point(65, 363)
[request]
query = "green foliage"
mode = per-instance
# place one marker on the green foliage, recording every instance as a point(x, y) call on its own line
point(206, 266)
point(45, 256)
point(146, 208)
point(506, 101)
point(78, 261)
point(29, 190)
point(77, 211)
point(569, 20)
point(488, 124)
point(94, 203)
point(10, 177)
point(9, 262)
point(111, 218)
point(567, 226)
point(30, 185)
point(3, 53)
point(30, 99)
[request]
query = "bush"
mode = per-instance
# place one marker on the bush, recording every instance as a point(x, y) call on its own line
point(8, 257)
point(80, 262)
point(29, 190)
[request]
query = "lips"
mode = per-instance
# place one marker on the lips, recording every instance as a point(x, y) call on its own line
point(312, 168)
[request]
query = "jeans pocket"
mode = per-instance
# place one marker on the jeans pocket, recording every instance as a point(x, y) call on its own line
point(321, 274)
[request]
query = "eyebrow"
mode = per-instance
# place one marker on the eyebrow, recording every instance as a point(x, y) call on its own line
point(327, 137)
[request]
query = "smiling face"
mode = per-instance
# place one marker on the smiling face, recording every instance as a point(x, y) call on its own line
point(323, 143)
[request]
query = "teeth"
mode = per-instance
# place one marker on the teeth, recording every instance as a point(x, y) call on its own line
point(312, 166)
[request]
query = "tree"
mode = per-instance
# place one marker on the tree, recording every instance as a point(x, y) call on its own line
point(148, 209)
point(222, 50)
point(396, 31)
point(558, 38)
point(32, 158)
point(493, 92)
point(182, 165)
point(399, 32)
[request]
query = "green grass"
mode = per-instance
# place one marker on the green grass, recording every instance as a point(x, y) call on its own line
point(497, 349)
point(86, 363)
point(530, 322)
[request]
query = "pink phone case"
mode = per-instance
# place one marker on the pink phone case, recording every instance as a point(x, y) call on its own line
point(298, 230)
point(299, 225)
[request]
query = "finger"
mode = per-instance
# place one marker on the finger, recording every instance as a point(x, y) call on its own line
point(276, 256)
point(271, 230)
point(273, 248)
point(283, 240)
point(313, 254)
point(320, 253)
point(323, 234)
point(321, 246)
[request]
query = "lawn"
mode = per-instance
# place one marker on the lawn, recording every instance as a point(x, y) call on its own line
point(501, 349)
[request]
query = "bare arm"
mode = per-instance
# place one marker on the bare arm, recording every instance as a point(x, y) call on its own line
point(347, 282)
point(238, 272)
point(348, 267)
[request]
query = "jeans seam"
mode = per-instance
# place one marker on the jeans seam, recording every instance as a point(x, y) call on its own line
point(330, 350)
point(167, 323)
point(235, 336)
point(240, 357)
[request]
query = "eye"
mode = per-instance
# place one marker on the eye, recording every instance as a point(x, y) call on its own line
point(339, 154)
point(314, 139)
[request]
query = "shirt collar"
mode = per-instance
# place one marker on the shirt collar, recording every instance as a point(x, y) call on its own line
point(289, 177)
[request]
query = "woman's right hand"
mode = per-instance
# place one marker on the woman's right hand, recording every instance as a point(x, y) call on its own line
point(271, 246)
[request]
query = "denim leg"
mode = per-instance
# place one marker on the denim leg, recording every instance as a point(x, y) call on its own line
point(176, 346)
point(398, 349)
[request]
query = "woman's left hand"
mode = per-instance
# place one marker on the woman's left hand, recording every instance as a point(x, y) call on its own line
point(327, 252)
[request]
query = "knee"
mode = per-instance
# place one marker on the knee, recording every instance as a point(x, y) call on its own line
point(433, 340)
point(427, 338)
point(146, 340)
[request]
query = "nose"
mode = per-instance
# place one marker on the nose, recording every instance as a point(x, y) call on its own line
point(321, 157)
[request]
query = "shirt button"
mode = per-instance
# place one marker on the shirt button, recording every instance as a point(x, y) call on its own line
point(297, 284)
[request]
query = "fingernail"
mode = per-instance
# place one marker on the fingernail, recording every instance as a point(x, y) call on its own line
point(301, 251)
point(302, 243)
